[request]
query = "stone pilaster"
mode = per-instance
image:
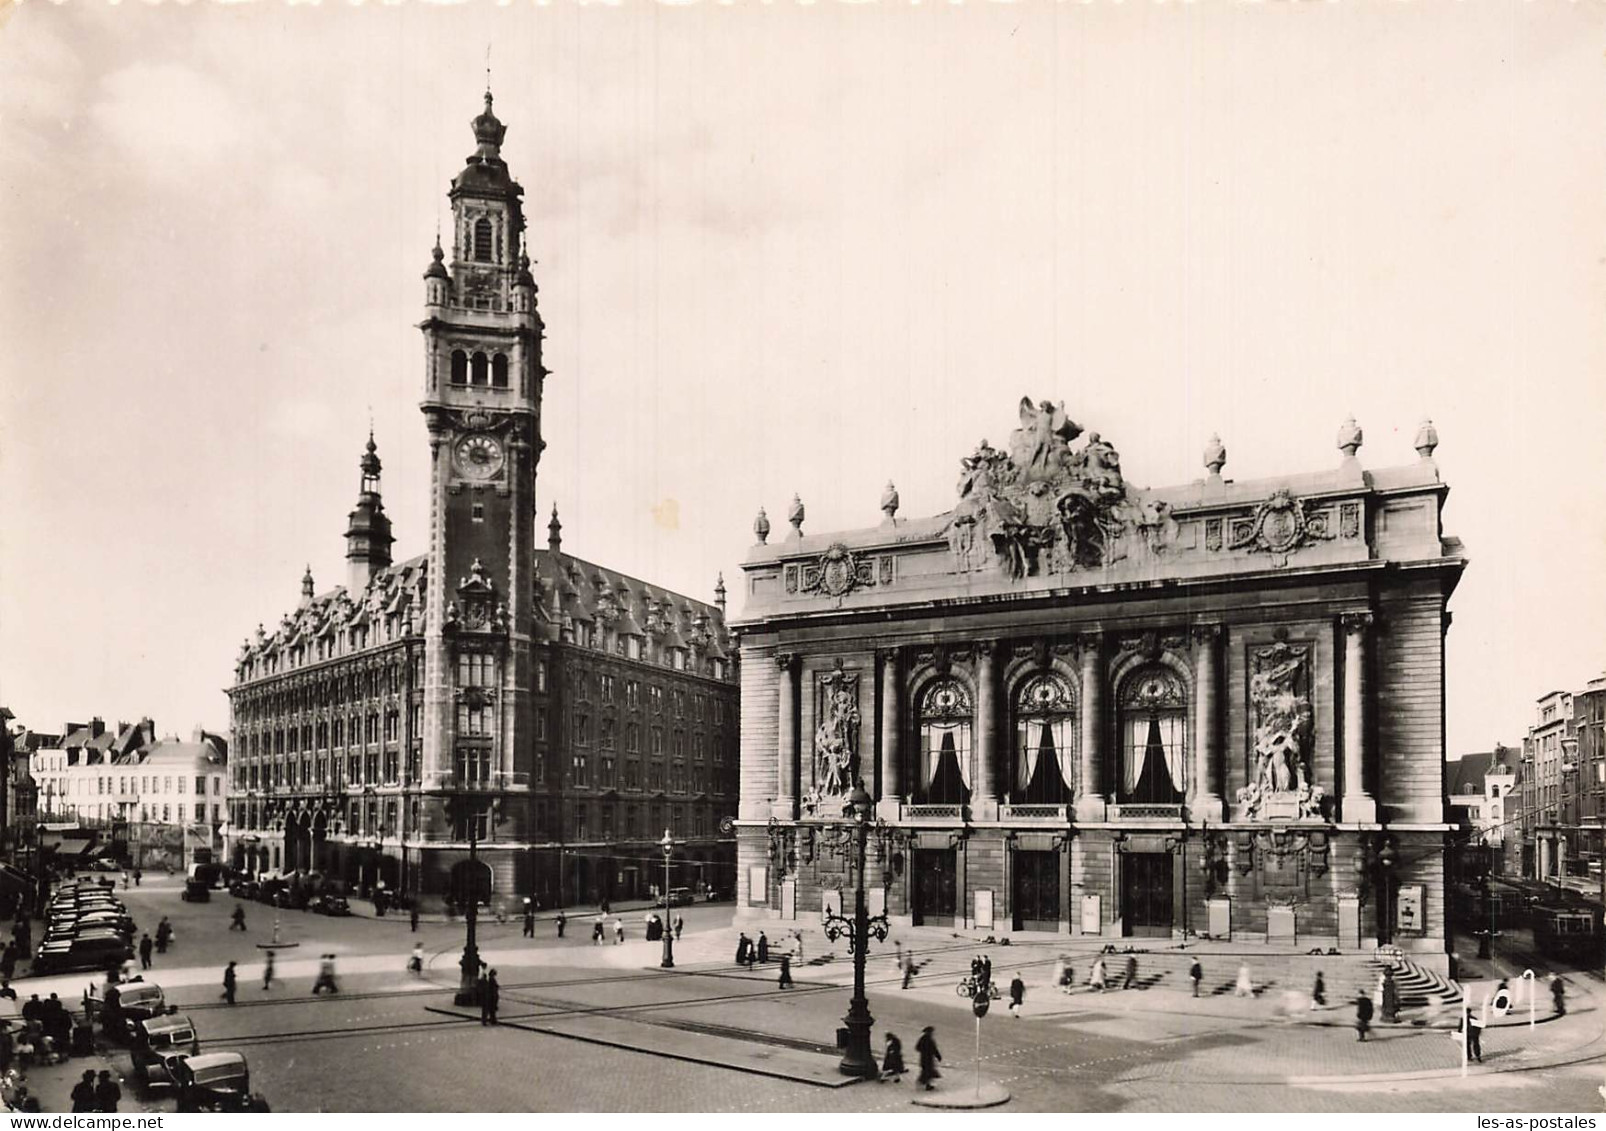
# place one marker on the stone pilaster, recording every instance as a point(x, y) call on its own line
point(984, 794)
point(1357, 804)
point(1206, 804)
point(891, 734)
point(1090, 794)
point(786, 769)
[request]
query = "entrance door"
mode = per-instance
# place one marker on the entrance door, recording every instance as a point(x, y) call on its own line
point(1146, 894)
point(1036, 891)
point(935, 899)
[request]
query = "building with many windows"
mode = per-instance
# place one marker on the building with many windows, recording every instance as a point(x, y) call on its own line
point(1092, 709)
point(485, 698)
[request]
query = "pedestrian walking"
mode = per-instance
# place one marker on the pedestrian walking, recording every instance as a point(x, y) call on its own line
point(1363, 1015)
point(598, 930)
point(237, 920)
point(563, 921)
point(326, 976)
point(1098, 977)
point(490, 999)
point(8, 959)
point(145, 946)
point(605, 908)
point(412, 916)
point(83, 1092)
point(892, 1060)
point(680, 924)
point(1245, 986)
point(743, 945)
point(926, 1046)
point(164, 935)
point(1390, 994)
point(229, 982)
point(1318, 992)
point(909, 967)
point(529, 919)
point(137, 874)
point(267, 971)
point(1195, 975)
point(1017, 995)
point(107, 1093)
point(986, 970)
point(415, 961)
point(763, 947)
point(786, 971)
point(618, 930)
point(1131, 972)
point(1558, 995)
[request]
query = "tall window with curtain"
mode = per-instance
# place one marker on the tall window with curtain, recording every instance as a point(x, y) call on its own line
point(1045, 726)
point(945, 727)
point(1154, 709)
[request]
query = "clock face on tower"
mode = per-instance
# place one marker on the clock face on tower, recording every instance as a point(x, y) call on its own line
point(477, 456)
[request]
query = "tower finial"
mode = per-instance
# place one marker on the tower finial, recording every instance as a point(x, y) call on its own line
point(554, 532)
point(487, 75)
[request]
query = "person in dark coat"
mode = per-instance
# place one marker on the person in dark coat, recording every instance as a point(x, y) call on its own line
point(786, 971)
point(926, 1046)
point(8, 959)
point(83, 1093)
point(1318, 992)
point(6, 990)
point(490, 998)
point(412, 915)
point(986, 970)
point(1391, 996)
point(1017, 995)
point(237, 920)
point(164, 935)
point(33, 1009)
point(563, 921)
point(892, 1067)
point(529, 919)
point(1363, 1015)
point(763, 947)
point(107, 1093)
point(1196, 975)
point(145, 946)
point(1558, 995)
point(1131, 972)
point(680, 925)
point(744, 946)
point(230, 980)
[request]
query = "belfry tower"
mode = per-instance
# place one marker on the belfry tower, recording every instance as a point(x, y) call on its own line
point(482, 404)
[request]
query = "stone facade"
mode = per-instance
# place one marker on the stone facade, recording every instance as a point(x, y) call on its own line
point(1092, 709)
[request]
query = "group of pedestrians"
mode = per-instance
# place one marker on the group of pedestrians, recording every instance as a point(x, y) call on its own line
point(90, 1094)
point(324, 981)
point(892, 1065)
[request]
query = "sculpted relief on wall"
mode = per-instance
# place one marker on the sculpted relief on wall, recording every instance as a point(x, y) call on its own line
point(836, 739)
point(1279, 694)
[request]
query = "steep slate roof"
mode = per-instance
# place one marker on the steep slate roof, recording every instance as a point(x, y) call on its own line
point(582, 591)
point(1469, 771)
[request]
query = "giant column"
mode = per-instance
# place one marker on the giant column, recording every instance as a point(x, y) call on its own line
point(1207, 805)
point(1357, 805)
point(984, 797)
point(891, 732)
point(786, 737)
point(1090, 795)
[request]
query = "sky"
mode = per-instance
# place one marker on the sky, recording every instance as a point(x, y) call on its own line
point(783, 247)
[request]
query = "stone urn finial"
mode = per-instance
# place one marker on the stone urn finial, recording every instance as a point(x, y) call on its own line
point(761, 527)
point(794, 515)
point(1215, 455)
point(1349, 437)
point(889, 503)
point(1427, 438)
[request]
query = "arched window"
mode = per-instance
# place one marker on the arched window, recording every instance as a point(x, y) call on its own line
point(499, 371)
point(459, 367)
point(483, 236)
point(1045, 728)
point(1154, 707)
point(479, 368)
point(945, 719)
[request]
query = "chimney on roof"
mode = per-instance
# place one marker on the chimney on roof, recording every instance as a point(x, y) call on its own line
point(148, 732)
point(97, 727)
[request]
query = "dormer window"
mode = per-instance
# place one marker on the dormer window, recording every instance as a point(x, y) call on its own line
point(483, 235)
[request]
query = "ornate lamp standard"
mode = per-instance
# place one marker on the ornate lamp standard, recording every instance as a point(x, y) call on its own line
point(668, 960)
point(468, 883)
point(857, 1059)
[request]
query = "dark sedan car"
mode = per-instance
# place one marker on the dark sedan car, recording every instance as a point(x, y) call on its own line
point(82, 952)
point(214, 1081)
point(329, 905)
point(155, 1041)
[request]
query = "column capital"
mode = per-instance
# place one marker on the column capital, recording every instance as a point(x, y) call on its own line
point(988, 649)
point(1207, 632)
point(1357, 621)
point(787, 662)
point(1091, 641)
point(891, 656)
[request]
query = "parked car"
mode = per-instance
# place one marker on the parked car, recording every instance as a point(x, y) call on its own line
point(153, 1042)
point(214, 1081)
point(329, 905)
point(244, 889)
point(85, 952)
point(107, 864)
point(196, 892)
point(293, 898)
point(678, 897)
point(129, 1003)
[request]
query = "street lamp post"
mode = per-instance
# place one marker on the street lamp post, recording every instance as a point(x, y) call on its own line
point(857, 1058)
point(468, 986)
point(668, 960)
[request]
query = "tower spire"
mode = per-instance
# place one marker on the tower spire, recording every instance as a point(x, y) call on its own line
point(368, 536)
